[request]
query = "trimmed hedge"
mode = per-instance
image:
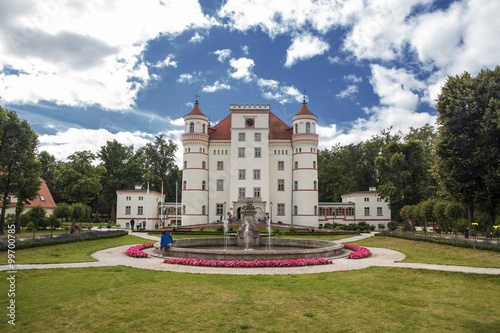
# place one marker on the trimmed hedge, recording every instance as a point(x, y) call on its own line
point(62, 239)
point(470, 244)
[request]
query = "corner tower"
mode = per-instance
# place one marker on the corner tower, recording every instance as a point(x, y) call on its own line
point(305, 172)
point(195, 168)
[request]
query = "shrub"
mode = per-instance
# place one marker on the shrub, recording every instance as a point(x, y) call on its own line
point(393, 225)
point(30, 226)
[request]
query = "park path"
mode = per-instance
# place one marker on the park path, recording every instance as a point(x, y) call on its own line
point(380, 258)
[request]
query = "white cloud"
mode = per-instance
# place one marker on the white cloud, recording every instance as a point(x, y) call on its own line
point(71, 58)
point(245, 49)
point(189, 78)
point(197, 38)
point(348, 92)
point(167, 62)
point(242, 69)
point(222, 55)
point(271, 84)
point(353, 78)
point(304, 47)
point(216, 87)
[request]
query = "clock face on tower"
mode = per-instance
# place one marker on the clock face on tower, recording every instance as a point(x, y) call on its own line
point(249, 122)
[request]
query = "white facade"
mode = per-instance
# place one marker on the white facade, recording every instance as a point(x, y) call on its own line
point(369, 207)
point(250, 155)
point(138, 205)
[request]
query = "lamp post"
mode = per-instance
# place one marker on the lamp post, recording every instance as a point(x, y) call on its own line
point(224, 221)
point(269, 226)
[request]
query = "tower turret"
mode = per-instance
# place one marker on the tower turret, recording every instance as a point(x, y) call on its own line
point(305, 172)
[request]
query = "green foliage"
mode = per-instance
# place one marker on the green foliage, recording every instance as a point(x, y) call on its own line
point(393, 225)
point(64, 239)
point(30, 226)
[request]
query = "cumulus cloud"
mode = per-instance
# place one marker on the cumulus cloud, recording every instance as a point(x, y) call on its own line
point(305, 47)
point(197, 38)
point(71, 58)
point(242, 69)
point(348, 92)
point(216, 87)
point(222, 55)
point(167, 62)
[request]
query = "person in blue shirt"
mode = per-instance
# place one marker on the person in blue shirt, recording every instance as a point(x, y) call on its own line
point(166, 240)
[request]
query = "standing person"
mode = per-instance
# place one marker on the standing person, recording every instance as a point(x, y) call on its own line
point(132, 222)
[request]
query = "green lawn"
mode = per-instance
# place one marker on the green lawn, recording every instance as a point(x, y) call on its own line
point(120, 299)
point(379, 299)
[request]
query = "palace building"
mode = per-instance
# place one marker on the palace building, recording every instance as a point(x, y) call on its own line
point(251, 155)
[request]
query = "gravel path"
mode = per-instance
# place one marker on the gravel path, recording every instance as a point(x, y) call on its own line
point(380, 257)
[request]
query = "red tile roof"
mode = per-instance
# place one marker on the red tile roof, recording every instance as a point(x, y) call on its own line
point(196, 111)
point(44, 197)
point(304, 110)
point(278, 130)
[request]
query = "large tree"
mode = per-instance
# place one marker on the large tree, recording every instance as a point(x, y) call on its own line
point(19, 170)
point(460, 147)
point(159, 166)
point(403, 174)
point(80, 179)
point(123, 171)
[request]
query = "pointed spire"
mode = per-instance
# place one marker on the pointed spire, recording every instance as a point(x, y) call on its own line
point(304, 110)
point(196, 109)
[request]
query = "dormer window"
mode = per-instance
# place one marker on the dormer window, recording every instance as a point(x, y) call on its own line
point(42, 198)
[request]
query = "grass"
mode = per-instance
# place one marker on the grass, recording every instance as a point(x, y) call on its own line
point(72, 252)
point(430, 253)
point(378, 299)
point(121, 299)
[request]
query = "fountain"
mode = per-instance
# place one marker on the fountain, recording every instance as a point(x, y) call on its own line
point(249, 245)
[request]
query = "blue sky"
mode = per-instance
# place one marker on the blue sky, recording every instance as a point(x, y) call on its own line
point(86, 72)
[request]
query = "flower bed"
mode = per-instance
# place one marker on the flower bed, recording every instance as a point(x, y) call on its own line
point(248, 264)
point(359, 252)
point(136, 251)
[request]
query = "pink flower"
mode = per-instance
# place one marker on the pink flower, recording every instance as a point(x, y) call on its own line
point(248, 264)
point(136, 250)
point(359, 252)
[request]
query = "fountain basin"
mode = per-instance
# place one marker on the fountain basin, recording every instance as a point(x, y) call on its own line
point(228, 249)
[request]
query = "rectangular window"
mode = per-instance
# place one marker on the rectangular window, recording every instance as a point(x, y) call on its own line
point(379, 211)
point(220, 184)
point(127, 210)
point(241, 136)
point(241, 152)
point(140, 210)
point(349, 211)
point(367, 211)
point(257, 137)
point(242, 174)
point(219, 209)
point(256, 192)
point(128, 198)
point(281, 165)
point(257, 152)
point(379, 199)
point(281, 209)
point(141, 198)
point(281, 184)
point(220, 165)
point(241, 192)
point(367, 199)
point(256, 174)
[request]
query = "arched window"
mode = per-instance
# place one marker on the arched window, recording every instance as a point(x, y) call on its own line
point(183, 209)
point(185, 164)
point(184, 185)
point(296, 128)
point(295, 210)
point(315, 210)
point(203, 165)
point(295, 185)
point(203, 209)
point(191, 128)
point(308, 127)
point(296, 164)
point(203, 185)
point(315, 185)
point(314, 164)
point(203, 128)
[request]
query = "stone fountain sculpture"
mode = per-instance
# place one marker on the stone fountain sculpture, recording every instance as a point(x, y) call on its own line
point(248, 235)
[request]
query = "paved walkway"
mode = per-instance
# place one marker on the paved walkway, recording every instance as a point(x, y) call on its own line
point(380, 257)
